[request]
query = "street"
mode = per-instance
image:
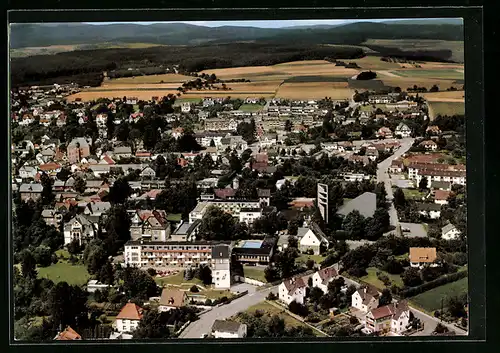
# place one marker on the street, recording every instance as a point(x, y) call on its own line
point(205, 321)
point(383, 176)
point(430, 324)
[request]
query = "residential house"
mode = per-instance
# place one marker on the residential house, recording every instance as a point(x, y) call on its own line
point(428, 145)
point(365, 299)
point(68, 335)
point(97, 208)
point(217, 124)
point(185, 107)
point(392, 318)
point(77, 149)
point(313, 238)
point(52, 217)
point(292, 289)
point(128, 319)
point(221, 266)
point(122, 152)
point(177, 132)
point(384, 132)
point(372, 153)
point(149, 225)
point(27, 171)
point(323, 277)
point(79, 228)
point(429, 210)
point(433, 130)
point(31, 191)
point(172, 298)
point(402, 130)
point(420, 257)
point(148, 173)
point(450, 232)
point(228, 329)
point(397, 166)
point(267, 140)
point(264, 196)
point(379, 99)
point(441, 197)
point(249, 214)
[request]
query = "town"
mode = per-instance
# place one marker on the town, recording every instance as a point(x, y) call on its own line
point(191, 182)
point(329, 218)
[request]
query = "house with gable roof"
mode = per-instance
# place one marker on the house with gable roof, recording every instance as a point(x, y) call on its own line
point(68, 335)
point(365, 299)
point(394, 318)
point(312, 237)
point(402, 130)
point(172, 298)
point(292, 289)
point(79, 228)
point(324, 276)
point(128, 319)
point(449, 232)
point(149, 225)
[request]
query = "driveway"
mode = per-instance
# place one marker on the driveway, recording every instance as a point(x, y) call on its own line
point(383, 176)
point(205, 321)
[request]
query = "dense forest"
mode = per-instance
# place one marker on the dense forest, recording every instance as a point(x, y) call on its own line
point(85, 67)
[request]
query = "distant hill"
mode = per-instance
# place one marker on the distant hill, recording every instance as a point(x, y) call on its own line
point(41, 35)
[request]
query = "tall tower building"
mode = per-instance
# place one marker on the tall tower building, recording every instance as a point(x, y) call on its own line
point(221, 266)
point(323, 201)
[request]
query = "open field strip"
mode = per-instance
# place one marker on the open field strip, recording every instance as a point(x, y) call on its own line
point(157, 79)
point(436, 73)
point(446, 108)
point(444, 96)
point(405, 82)
point(373, 63)
point(315, 90)
point(142, 95)
point(387, 73)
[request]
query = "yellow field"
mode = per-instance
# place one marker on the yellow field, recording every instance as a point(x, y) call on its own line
point(445, 96)
point(312, 90)
point(156, 79)
point(373, 63)
point(143, 95)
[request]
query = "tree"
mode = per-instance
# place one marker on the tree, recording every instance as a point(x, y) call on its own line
point(354, 223)
point(310, 264)
point(288, 125)
point(204, 274)
point(399, 199)
point(315, 294)
point(67, 304)
point(271, 274)
point(43, 256)
point(74, 247)
point(385, 298)
point(194, 289)
point(285, 262)
point(434, 88)
point(411, 277)
point(153, 325)
point(366, 75)
point(80, 185)
point(47, 194)
point(28, 265)
point(440, 329)
point(293, 242)
point(95, 256)
point(106, 273)
point(298, 309)
point(422, 185)
point(216, 225)
point(137, 284)
point(455, 305)
point(64, 174)
point(120, 191)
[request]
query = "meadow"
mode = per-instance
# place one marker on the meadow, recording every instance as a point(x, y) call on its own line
point(431, 299)
point(446, 108)
point(65, 272)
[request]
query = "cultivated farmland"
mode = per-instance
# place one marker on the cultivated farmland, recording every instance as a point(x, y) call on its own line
point(446, 108)
point(312, 90)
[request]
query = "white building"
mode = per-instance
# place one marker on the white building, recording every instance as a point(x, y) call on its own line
point(312, 238)
point(402, 130)
point(233, 206)
point(249, 215)
point(228, 329)
point(79, 228)
point(450, 232)
point(392, 318)
point(185, 107)
point(292, 289)
point(221, 266)
point(365, 299)
point(323, 277)
point(420, 257)
point(128, 319)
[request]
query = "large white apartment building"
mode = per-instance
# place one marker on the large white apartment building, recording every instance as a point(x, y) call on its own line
point(230, 206)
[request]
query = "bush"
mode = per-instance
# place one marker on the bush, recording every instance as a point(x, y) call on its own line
point(313, 318)
point(271, 296)
point(208, 302)
point(310, 252)
point(54, 259)
point(298, 309)
point(73, 260)
point(353, 320)
point(310, 264)
point(194, 289)
point(151, 272)
point(460, 258)
point(384, 279)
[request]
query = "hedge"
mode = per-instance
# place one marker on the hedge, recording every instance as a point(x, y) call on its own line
point(410, 292)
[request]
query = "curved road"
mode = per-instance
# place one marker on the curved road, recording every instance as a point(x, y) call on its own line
point(383, 176)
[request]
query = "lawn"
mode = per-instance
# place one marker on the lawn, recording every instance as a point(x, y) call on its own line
point(316, 258)
point(431, 300)
point(176, 279)
point(372, 279)
point(63, 253)
point(254, 272)
point(272, 310)
point(65, 272)
point(443, 73)
point(413, 194)
point(179, 101)
point(174, 217)
point(250, 107)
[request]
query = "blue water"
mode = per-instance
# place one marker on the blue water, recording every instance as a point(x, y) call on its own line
point(252, 244)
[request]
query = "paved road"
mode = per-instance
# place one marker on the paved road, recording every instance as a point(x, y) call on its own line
point(383, 176)
point(205, 322)
point(430, 324)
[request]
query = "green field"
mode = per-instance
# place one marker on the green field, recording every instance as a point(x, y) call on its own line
point(413, 194)
point(446, 108)
point(254, 272)
point(442, 73)
point(65, 272)
point(174, 217)
point(179, 101)
point(372, 279)
point(250, 107)
point(431, 300)
point(316, 258)
point(272, 310)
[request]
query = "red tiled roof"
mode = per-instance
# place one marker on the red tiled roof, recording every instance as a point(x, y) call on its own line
point(383, 311)
point(182, 162)
point(224, 193)
point(292, 284)
point(108, 160)
point(49, 166)
point(68, 335)
point(441, 195)
point(130, 311)
point(327, 273)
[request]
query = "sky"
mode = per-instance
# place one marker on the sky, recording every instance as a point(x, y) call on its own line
point(262, 24)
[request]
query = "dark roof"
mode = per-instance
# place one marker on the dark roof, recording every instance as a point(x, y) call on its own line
point(199, 242)
point(220, 252)
point(421, 206)
point(365, 203)
point(250, 209)
point(264, 192)
point(226, 326)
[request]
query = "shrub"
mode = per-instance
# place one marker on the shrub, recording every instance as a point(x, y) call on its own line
point(310, 264)
point(54, 259)
point(271, 296)
point(208, 302)
point(194, 289)
point(410, 292)
point(313, 318)
point(151, 272)
point(73, 260)
point(298, 309)
point(310, 252)
point(353, 320)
